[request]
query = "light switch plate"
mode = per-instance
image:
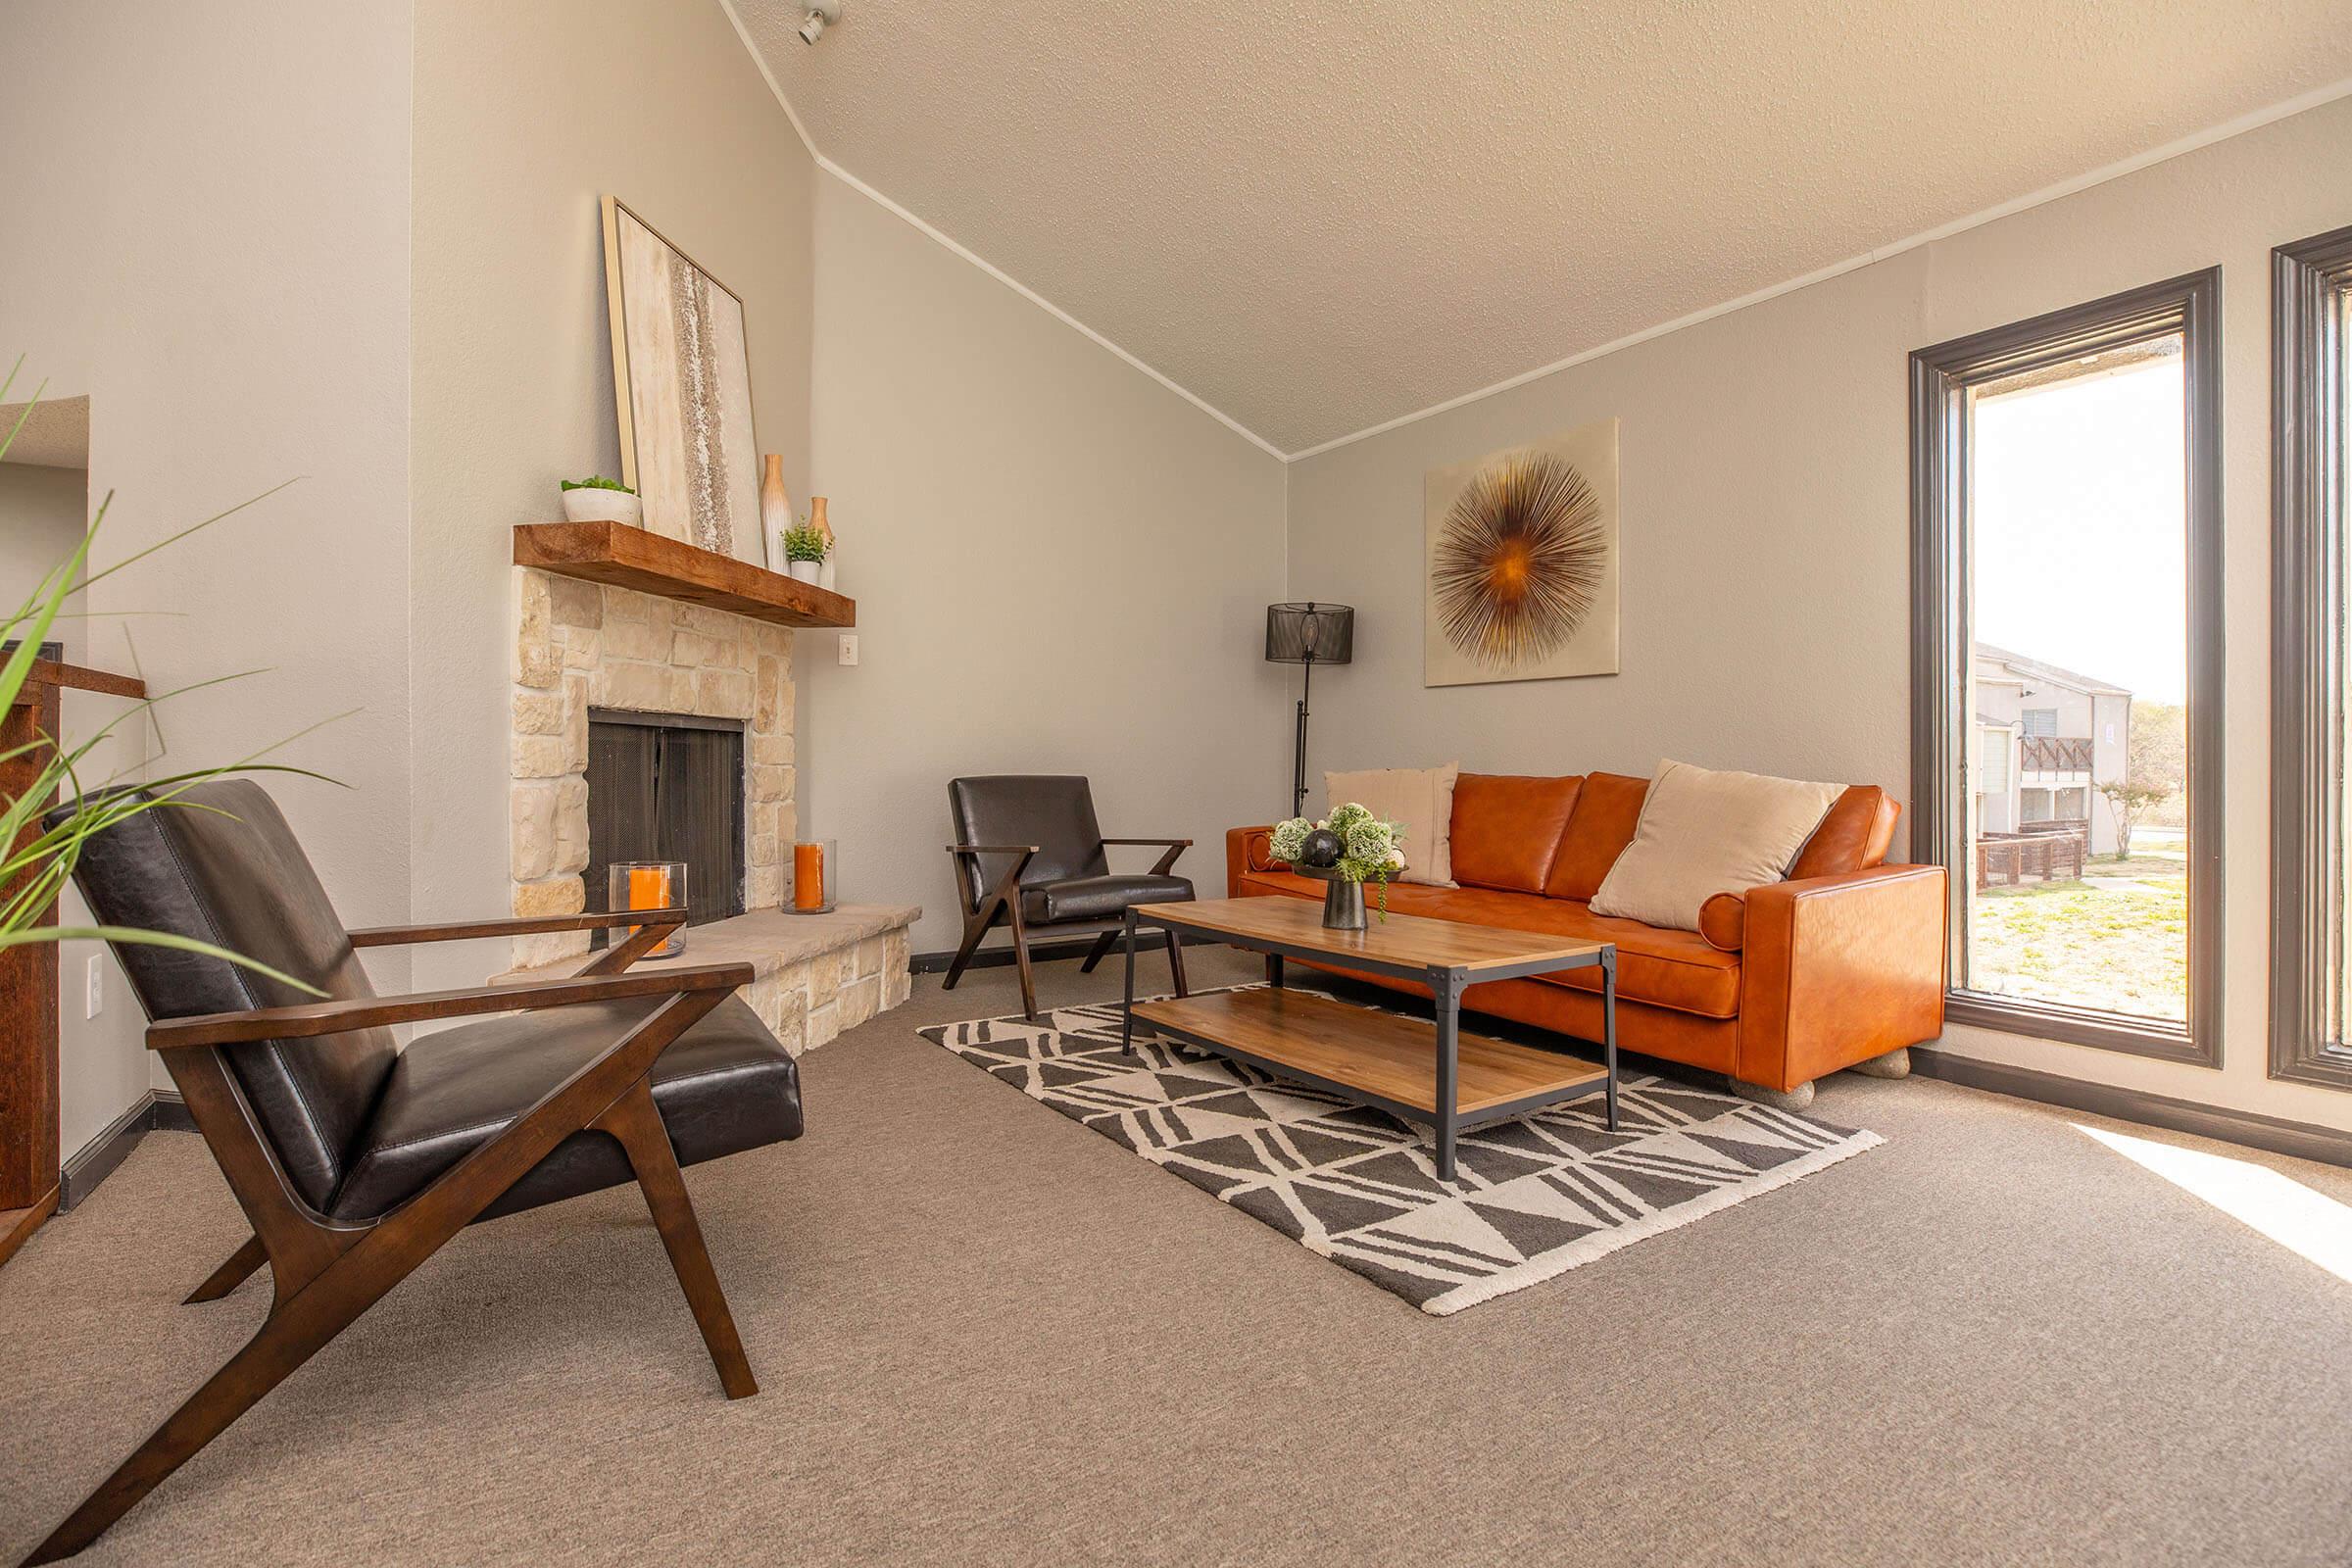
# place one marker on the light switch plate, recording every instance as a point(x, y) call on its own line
point(848, 647)
point(94, 988)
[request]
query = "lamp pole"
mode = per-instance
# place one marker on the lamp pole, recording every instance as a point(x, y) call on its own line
point(1299, 747)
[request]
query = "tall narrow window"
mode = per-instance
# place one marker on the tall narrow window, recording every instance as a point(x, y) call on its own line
point(2311, 808)
point(2067, 668)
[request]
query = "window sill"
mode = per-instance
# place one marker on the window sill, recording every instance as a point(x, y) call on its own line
point(2324, 1066)
point(2080, 1026)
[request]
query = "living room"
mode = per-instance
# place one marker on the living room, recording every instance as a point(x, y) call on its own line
point(1589, 666)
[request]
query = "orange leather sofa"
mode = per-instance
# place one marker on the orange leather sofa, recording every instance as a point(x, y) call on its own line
point(1842, 963)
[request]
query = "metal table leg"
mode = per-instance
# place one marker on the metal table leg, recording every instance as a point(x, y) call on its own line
point(1127, 1012)
point(1446, 988)
point(1608, 1029)
point(1274, 970)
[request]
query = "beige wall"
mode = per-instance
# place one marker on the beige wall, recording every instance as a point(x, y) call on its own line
point(42, 512)
point(206, 233)
point(1765, 507)
point(1060, 566)
point(526, 115)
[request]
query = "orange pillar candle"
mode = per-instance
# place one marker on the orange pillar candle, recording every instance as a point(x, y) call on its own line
point(649, 887)
point(808, 876)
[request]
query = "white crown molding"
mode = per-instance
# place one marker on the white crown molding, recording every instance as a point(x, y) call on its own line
point(2253, 120)
point(2049, 193)
point(982, 262)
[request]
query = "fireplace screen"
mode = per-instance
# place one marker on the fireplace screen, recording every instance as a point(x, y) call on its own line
point(668, 787)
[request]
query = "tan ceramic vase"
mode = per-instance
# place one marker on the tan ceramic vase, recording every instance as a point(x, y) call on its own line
point(816, 520)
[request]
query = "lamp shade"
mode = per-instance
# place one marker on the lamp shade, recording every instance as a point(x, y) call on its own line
point(1310, 634)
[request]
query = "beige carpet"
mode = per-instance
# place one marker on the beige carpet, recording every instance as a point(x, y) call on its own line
point(987, 1335)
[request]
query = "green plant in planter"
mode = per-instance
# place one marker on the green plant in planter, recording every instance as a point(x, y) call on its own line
point(36, 861)
point(803, 543)
point(598, 483)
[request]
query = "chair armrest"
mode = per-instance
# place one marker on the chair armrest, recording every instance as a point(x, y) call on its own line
point(306, 1020)
point(1838, 969)
point(1002, 892)
point(523, 926)
point(1167, 861)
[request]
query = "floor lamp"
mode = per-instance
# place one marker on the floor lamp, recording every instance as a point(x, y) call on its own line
point(1308, 634)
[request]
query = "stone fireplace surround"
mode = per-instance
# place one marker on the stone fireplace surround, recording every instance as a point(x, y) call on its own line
point(580, 645)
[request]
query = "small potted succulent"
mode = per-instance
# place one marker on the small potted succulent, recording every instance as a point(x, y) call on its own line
point(597, 499)
point(805, 551)
point(1344, 850)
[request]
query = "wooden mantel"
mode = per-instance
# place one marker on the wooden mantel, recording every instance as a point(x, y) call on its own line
point(632, 558)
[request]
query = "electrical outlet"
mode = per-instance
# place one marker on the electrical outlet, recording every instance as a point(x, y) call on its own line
point(848, 647)
point(94, 988)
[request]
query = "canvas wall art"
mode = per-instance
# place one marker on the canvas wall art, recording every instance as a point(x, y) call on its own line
point(682, 377)
point(1520, 565)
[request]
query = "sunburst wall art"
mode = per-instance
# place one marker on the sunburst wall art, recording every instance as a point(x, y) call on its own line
point(1521, 563)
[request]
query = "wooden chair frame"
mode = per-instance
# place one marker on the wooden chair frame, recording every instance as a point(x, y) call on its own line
point(327, 1272)
point(1005, 899)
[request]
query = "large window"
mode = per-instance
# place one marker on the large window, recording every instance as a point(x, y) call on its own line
point(2311, 409)
point(2067, 668)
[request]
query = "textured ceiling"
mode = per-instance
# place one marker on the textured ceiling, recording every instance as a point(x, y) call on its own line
point(1320, 215)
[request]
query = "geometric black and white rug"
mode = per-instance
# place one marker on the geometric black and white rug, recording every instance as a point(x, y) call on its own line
point(1532, 1199)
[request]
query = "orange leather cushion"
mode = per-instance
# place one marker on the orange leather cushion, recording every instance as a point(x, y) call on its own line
point(1853, 837)
point(1506, 828)
point(1607, 808)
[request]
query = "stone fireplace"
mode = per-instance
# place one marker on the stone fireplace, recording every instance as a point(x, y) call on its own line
point(587, 649)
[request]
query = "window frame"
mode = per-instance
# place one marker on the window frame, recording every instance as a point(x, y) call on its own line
point(1941, 636)
point(2308, 560)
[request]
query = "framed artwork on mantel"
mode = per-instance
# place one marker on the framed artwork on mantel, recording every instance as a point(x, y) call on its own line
point(682, 378)
point(1519, 562)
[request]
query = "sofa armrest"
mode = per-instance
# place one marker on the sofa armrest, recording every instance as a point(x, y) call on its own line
point(1838, 969)
point(1247, 850)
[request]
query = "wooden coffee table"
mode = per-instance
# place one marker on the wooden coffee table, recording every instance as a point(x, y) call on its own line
point(1370, 1057)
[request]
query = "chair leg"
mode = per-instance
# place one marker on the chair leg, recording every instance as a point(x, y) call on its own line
point(1095, 954)
point(1176, 962)
point(636, 1121)
point(1021, 956)
point(232, 1274)
point(290, 1335)
point(975, 926)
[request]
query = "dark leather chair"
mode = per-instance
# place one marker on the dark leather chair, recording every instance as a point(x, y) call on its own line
point(1029, 852)
point(355, 1160)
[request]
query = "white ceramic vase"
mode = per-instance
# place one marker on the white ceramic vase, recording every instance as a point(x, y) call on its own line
point(804, 571)
point(824, 576)
point(604, 506)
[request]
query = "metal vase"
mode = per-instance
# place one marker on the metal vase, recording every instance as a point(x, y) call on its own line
point(1343, 905)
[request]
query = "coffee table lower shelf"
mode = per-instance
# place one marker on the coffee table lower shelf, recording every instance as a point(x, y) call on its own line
point(1379, 1058)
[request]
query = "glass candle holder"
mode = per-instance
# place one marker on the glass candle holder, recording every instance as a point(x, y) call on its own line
point(815, 866)
point(650, 885)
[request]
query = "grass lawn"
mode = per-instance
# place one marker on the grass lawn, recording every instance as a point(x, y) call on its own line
point(2123, 949)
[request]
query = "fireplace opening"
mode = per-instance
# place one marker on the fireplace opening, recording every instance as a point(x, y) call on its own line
point(668, 787)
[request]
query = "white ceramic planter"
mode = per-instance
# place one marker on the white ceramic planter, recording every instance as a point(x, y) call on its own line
point(805, 571)
point(604, 506)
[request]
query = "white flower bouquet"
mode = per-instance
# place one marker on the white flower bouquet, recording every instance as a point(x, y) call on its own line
point(1351, 844)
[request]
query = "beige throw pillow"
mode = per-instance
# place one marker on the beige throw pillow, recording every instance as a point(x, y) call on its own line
point(1703, 833)
point(1419, 799)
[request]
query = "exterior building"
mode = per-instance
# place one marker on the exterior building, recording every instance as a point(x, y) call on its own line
point(2047, 739)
